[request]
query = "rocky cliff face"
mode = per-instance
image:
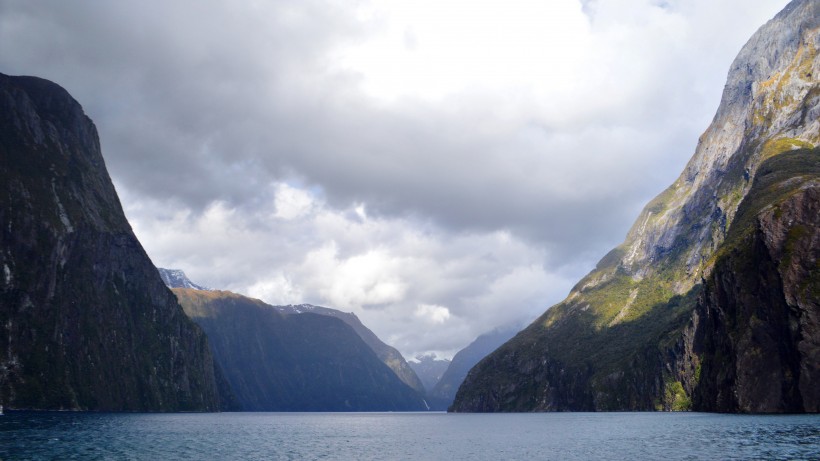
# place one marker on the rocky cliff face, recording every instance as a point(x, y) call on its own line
point(86, 321)
point(630, 336)
point(756, 329)
point(294, 362)
point(770, 104)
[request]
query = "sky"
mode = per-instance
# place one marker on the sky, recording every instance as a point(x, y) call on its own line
point(439, 168)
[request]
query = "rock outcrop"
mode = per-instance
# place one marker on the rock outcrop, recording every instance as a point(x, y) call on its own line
point(85, 321)
point(636, 333)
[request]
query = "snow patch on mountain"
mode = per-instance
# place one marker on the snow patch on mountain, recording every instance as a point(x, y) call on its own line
point(176, 278)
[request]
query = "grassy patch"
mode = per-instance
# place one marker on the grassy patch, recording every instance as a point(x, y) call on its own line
point(778, 146)
point(675, 398)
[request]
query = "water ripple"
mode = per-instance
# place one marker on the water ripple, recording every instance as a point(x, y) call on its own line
point(429, 436)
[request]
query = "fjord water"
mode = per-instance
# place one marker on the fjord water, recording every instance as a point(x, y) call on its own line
point(416, 436)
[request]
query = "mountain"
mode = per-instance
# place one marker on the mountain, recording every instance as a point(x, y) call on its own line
point(294, 362)
point(442, 395)
point(175, 278)
point(87, 322)
point(387, 354)
point(429, 369)
point(711, 303)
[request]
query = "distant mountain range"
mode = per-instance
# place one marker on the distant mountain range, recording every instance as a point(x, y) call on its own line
point(443, 376)
point(176, 278)
point(443, 393)
point(429, 369)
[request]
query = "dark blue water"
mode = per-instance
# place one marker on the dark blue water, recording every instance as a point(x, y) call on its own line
point(411, 436)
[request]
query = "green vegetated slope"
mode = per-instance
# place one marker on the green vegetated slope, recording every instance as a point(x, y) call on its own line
point(294, 362)
point(657, 325)
point(86, 322)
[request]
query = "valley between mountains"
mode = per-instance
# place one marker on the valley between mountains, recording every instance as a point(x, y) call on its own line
point(711, 303)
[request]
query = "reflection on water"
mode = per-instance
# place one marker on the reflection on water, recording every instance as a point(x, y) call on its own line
point(560, 436)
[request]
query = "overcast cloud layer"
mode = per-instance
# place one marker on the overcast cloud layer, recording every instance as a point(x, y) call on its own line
point(438, 167)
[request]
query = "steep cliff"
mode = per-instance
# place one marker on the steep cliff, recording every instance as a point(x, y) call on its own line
point(757, 326)
point(86, 321)
point(294, 362)
point(626, 336)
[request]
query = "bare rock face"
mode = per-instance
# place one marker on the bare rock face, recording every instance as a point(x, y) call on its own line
point(85, 321)
point(770, 104)
point(643, 330)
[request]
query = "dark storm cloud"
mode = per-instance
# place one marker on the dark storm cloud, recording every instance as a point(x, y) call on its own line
point(205, 100)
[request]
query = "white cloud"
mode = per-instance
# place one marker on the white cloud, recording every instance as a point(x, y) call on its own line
point(433, 313)
point(291, 202)
point(405, 279)
point(356, 282)
point(276, 289)
point(434, 48)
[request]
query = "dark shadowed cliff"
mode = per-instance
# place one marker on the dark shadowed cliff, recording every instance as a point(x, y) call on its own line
point(757, 324)
point(86, 321)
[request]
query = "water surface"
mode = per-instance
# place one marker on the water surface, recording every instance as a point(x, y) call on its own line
point(411, 436)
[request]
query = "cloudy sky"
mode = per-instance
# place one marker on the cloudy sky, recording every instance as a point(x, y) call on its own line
point(438, 167)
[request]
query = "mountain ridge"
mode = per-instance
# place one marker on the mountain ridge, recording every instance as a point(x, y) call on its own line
point(176, 278)
point(277, 361)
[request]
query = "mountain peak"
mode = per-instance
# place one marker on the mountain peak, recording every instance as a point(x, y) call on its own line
point(176, 278)
point(770, 103)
